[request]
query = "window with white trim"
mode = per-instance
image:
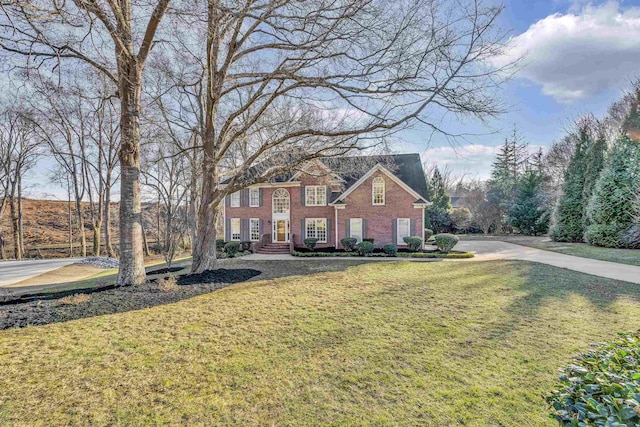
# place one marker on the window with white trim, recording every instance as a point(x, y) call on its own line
point(235, 229)
point(378, 191)
point(316, 195)
point(254, 229)
point(316, 227)
point(355, 228)
point(254, 197)
point(403, 230)
point(235, 199)
point(280, 201)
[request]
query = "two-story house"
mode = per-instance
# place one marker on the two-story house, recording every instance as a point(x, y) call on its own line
point(381, 197)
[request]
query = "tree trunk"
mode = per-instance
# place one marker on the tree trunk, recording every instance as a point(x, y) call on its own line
point(144, 240)
point(97, 234)
point(17, 250)
point(107, 223)
point(20, 228)
point(83, 237)
point(131, 270)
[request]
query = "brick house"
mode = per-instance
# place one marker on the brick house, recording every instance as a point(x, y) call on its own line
point(377, 197)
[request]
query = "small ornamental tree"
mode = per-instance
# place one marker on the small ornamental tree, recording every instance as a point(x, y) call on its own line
point(310, 243)
point(414, 243)
point(349, 243)
point(365, 248)
point(445, 242)
point(612, 208)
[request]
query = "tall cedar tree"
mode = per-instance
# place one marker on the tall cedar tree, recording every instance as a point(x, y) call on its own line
point(569, 213)
point(594, 164)
point(529, 212)
point(437, 216)
point(612, 208)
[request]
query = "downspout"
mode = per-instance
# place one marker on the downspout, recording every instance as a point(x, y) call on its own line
point(335, 208)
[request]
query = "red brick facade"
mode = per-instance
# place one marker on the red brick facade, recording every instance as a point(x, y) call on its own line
point(378, 221)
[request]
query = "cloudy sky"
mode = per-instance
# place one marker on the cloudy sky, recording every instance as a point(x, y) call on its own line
point(577, 57)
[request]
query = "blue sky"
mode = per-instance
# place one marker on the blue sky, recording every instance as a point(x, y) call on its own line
point(578, 56)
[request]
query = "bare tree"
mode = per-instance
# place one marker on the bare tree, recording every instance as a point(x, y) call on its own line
point(107, 36)
point(289, 81)
point(19, 150)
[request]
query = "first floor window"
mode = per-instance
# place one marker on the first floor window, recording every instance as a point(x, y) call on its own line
point(235, 228)
point(355, 228)
point(254, 228)
point(316, 195)
point(254, 197)
point(235, 199)
point(404, 230)
point(317, 228)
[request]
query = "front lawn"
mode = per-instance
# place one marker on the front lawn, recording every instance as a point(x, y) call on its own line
point(623, 256)
point(473, 344)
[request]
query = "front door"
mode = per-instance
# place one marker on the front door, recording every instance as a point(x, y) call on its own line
point(281, 231)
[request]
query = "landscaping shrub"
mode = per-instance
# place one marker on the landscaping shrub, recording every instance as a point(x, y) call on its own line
point(602, 388)
point(364, 248)
point(413, 243)
point(349, 243)
point(310, 243)
point(427, 234)
point(445, 242)
point(220, 245)
point(631, 237)
point(232, 248)
point(368, 240)
point(390, 249)
point(245, 245)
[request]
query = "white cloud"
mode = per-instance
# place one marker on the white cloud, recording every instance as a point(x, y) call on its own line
point(472, 159)
point(578, 54)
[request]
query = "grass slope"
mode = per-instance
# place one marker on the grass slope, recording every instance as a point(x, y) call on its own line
point(473, 344)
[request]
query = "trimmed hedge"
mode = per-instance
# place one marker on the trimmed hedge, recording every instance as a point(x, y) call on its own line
point(349, 243)
point(390, 249)
point(413, 243)
point(445, 242)
point(455, 255)
point(364, 248)
point(602, 388)
point(232, 248)
point(310, 243)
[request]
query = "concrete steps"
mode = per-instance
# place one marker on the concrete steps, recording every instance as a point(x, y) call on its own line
point(274, 248)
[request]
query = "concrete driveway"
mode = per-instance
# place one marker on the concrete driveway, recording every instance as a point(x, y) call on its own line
point(16, 271)
point(495, 250)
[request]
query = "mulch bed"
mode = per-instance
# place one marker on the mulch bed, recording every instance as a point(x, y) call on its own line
point(109, 300)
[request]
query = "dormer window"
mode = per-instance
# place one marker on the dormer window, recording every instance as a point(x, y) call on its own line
point(378, 191)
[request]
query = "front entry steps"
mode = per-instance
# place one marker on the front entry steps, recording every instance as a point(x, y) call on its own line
point(274, 248)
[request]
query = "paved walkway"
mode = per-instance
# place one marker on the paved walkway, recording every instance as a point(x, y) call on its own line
point(495, 250)
point(17, 271)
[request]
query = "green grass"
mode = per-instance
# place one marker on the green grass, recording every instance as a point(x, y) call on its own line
point(623, 256)
point(402, 343)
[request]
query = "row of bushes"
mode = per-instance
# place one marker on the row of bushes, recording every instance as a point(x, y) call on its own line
point(444, 242)
point(434, 254)
point(232, 249)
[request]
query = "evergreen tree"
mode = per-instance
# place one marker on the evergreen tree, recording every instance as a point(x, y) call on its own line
point(529, 212)
point(594, 163)
point(612, 209)
point(570, 209)
point(437, 215)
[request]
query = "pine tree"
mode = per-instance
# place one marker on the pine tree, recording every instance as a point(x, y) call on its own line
point(612, 208)
point(529, 213)
point(594, 162)
point(437, 214)
point(570, 209)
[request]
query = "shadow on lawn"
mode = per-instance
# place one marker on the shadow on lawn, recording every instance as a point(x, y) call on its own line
point(543, 284)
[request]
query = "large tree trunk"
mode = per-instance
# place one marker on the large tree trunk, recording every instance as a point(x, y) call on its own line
point(131, 270)
point(83, 237)
point(107, 222)
point(17, 250)
point(20, 227)
point(97, 234)
point(204, 248)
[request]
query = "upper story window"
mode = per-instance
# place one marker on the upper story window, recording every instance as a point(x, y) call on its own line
point(378, 191)
point(316, 195)
point(254, 197)
point(281, 201)
point(235, 199)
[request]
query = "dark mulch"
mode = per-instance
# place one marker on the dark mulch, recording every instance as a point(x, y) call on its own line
point(109, 300)
point(164, 271)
